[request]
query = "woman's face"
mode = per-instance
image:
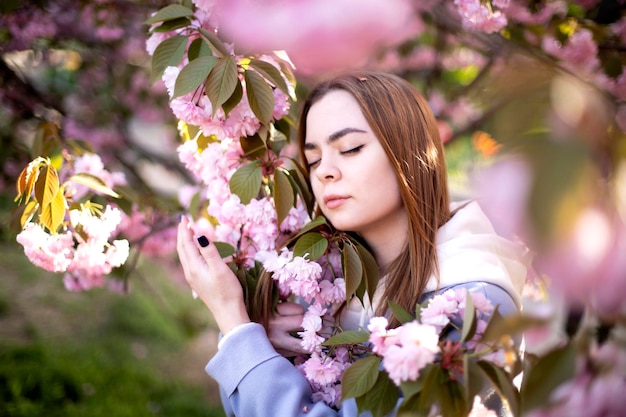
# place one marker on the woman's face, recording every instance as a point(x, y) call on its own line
point(351, 176)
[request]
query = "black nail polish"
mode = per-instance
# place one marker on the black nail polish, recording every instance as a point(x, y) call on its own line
point(203, 241)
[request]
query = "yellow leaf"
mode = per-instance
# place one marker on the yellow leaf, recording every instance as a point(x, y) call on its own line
point(52, 215)
point(47, 185)
point(93, 182)
point(27, 179)
point(29, 211)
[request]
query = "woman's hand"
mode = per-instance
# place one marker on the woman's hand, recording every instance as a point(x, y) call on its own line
point(210, 277)
point(288, 318)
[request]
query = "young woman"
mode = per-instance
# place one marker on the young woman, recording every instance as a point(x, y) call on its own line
point(377, 169)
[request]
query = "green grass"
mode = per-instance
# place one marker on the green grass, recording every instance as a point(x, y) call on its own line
point(99, 353)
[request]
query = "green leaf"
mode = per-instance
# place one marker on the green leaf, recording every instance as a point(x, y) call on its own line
point(94, 183)
point(360, 377)
point(286, 70)
point(469, 319)
point(171, 12)
point(503, 384)
point(225, 250)
point(550, 371)
point(381, 398)
point(410, 407)
point(52, 214)
point(199, 47)
point(352, 268)
point(434, 377)
point(234, 99)
point(370, 270)
point(46, 185)
point(400, 313)
point(260, 96)
point(168, 53)
point(299, 175)
point(193, 75)
point(271, 73)
point(284, 125)
point(474, 380)
point(316, 222)
point(284, 197)
point(348, 337)
point(411, 388)
point(216, 43)
point(277, 140)
point(171, 25)
point(222, 81)
point(499, 326)
point(253, 146)
point(246, 182)
point(452, 401)
point(314, 244)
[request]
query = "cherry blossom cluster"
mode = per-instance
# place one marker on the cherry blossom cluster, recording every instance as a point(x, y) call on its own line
point(83, 249)
point(321, 286)
point(598, 385)
point(407, 349)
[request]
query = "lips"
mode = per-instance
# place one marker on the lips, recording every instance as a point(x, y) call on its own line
point(333, 201)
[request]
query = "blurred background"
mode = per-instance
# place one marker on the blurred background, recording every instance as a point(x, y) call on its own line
point(529, 96)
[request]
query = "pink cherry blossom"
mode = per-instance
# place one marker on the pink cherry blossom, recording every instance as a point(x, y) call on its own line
point(316, 35)
point(518, 10)
point(479, 410)
point(587, 264)
point(580, 53)
point(502, 189)
point(439, 310)
point(50, 252)
point(330, 394)
point(322, 370)
point(332, 292)
point(378, 332)
point(416, 348)
point(296, 218)
point(92, 164)
point(477, 16)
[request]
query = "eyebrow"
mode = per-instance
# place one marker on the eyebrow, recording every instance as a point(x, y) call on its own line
point(336, 136)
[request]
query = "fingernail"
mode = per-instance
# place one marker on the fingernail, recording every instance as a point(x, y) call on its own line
point(203, 241)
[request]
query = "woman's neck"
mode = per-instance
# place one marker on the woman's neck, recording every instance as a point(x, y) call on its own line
point(387, 241)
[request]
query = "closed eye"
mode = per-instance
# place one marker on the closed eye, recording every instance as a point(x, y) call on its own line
point(312, 164)
point(353, 150)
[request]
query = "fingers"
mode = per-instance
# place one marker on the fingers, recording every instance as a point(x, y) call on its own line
point(288, 318)
point(290, 309)
point(284, 342)
point(211, 278)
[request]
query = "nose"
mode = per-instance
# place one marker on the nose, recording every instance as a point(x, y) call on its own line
point(327, 170)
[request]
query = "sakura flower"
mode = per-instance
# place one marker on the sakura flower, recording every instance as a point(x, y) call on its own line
point(476, 16)
point(50, 252)
point(92, 164)
point(330, 394)
point(479, 410)
point(439, 310)
point(322, 370)
point(332, 292)
point(416, 348)
point(378, 330)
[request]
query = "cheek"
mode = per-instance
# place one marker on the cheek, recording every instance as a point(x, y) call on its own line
point(317, 189)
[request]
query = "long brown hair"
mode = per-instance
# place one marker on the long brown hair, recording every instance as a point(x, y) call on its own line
point(403, 122)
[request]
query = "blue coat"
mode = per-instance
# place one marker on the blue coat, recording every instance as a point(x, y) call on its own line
point(256, 381)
